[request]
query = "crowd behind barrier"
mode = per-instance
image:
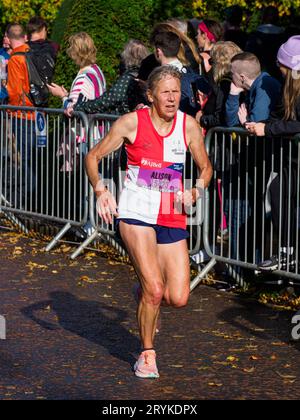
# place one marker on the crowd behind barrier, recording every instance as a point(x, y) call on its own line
point(252, 206)
point(42, 165)
point(42, 175)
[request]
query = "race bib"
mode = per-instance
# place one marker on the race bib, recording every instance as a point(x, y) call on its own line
point(160, 176)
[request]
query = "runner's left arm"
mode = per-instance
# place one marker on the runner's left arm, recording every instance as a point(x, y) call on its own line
point(196, 146)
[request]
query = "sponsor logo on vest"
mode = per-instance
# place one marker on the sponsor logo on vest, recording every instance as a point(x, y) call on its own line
point(151, 164)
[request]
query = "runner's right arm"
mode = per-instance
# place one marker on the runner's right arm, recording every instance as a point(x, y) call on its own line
point(124, 129)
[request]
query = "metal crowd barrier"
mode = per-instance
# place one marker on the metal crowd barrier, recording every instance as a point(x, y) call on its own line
point(250, 211)
point(42, 166)
point(252, 205)
point(99, 125)
point(112, 170)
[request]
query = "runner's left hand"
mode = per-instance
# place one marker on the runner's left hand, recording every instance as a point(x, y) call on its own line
point(188, 198)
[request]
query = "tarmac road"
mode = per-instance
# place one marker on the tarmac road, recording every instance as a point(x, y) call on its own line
point(71, 334)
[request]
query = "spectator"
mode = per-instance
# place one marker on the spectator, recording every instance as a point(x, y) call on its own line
point(192, 27)
point(89, 84)
point(285, 121)
point(232, 26)
point(262, 91)
point(187, 52)
point(190, 57)
point(4, 56)
point(23, 124)
point(265, 41)
point(167, 46)
point(212, 111)
point(209, 32)
point(253, 95)
point(37, 37)
point(18, 81)
point(124, 95)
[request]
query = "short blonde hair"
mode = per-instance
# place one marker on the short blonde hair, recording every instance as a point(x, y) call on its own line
point(82, 49)
point(221, 54)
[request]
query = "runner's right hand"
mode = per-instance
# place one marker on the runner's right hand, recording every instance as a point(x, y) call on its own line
point(106, 206)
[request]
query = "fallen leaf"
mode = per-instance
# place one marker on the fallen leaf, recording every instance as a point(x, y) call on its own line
point(250, 370)
point(65, 248)
point(33, 265)
point(111, 262)
point(86, 279)
point(231, 359)
point(215, 384)
point(278, 344)
point(288, 377)
point(176, 366)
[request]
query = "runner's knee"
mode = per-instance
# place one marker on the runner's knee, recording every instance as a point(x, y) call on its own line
point(154, 294)
point(179, 301)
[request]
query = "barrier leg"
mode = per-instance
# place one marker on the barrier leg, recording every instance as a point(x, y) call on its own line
point(85, 244)
point(236, 274)
point(122, 251)
point(202, 274)
point(60, 234)
point(12, 218)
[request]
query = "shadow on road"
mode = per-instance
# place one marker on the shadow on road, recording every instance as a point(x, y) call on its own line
point(92, 320)
point(260, 321)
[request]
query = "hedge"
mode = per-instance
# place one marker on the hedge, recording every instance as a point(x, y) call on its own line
point(111, 24)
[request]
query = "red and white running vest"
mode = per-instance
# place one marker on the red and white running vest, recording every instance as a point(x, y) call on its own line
point(155, 167)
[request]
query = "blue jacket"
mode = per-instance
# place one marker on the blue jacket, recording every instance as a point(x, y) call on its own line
point(3, 91)
point(261, 99)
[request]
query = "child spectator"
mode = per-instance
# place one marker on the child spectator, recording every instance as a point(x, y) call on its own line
point(262, 91)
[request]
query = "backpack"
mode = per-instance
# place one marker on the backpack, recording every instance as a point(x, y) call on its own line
point(190, 83)
point(40, 68)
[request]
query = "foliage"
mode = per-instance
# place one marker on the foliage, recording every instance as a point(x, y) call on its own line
point(59, 24)
point(110, 24)
point(182, 9)
point(215, 8)
point(22, 10)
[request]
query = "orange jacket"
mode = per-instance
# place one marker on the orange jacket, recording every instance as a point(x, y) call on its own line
point(18, 80)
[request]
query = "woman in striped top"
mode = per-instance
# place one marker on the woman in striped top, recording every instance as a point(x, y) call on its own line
point(90, 82)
